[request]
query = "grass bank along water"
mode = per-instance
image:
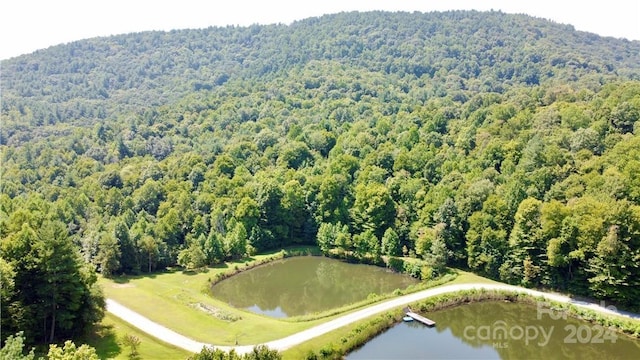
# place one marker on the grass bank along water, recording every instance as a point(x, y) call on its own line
point(153, 295)
point(345, 340)
point(186, 294)
point(306, 285)
point(333, 327)
point(409, 266)
point(248, 265)
point(177, 300)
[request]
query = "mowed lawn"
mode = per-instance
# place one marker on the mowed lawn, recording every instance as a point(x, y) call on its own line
point(108, 341)
point(177, 300)
point(465, 277)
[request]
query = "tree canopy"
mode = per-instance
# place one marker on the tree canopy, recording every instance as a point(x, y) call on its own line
point(502, 143)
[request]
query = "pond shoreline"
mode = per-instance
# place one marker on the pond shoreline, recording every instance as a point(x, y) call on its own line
point(311, 251)
point(368, 330)
point(388, 311)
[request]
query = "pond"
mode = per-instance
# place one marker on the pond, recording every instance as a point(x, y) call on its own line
point(305, 285)
point(499, 330)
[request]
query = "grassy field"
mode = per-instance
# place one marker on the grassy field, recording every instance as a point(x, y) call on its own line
point(180, 300)
point(108, 335)
point(465, 277)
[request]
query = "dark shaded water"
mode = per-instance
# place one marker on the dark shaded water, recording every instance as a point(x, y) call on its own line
point(304, 285)
point(499, 330)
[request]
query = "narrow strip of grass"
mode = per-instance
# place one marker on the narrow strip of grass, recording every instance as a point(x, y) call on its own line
point(340, 342)
point(446, 279)
point(337, 343)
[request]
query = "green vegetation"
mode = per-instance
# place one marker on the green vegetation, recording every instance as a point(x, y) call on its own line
point(348, 338)
point(194, 313)
point(48, 291)
point(340, 342)
point(259, 353)
point(504, 144)
point(619, 323)
point(465, 277)
point(14, 349)
point(109, 341)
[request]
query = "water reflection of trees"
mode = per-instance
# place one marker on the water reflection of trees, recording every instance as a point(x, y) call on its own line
point(522, 315)
point(306, 285)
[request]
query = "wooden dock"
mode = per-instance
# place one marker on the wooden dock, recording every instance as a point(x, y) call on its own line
point(421, 318)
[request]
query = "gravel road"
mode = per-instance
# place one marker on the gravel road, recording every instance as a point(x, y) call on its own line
point(181, 341)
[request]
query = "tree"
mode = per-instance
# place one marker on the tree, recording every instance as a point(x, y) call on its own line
point(262, 352)
point(148, 196)
point(373, 209)
point(55, 296)
point(322, 141)
point(259, 352)
point(236, 242)
point(587, 139)
point(132, 342)
point(111, 179)
point(439, 254)
point(614, 269)
point(624, 115)
point(334, 199)
point(61, 288)
point(13, 348)
point(169, 228)
point(7, 293)
point(214, 248)
point(366, 243)
point(326, 237)
point(266, 138)
point(487, 241)
point(71, 352)
point(294, 155)
point(150, 248)
point(129, 263)
point(560, 232)
point(272, 214)
point(452, 225)
point(224, 164)
point(108, 257)
point(247, 212)
point(331, 236)
point(294, 210)
point(192, 257)
point(526, 249)
point(19, 250)
point(391, 243)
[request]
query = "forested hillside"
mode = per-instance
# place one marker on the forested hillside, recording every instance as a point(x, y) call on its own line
point(503, 143)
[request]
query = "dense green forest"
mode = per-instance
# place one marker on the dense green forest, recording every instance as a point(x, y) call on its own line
point(503, 143)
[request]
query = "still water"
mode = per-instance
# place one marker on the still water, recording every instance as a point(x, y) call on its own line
point(304, 285)
point(499, 330)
